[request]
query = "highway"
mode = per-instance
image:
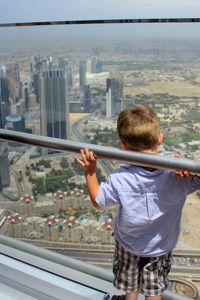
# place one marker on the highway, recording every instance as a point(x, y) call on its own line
point(96, 258)
point(105, 259)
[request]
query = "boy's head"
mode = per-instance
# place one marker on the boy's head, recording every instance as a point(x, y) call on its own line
point(138, 128)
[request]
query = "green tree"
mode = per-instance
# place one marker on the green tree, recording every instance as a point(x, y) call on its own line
point(64, 163)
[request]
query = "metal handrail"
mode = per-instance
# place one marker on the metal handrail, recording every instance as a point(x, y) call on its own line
point(104, 152)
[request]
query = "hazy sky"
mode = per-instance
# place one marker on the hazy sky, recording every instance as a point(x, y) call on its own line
point(44, 10)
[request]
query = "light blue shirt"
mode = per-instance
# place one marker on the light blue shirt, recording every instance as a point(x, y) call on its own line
point(149, 207)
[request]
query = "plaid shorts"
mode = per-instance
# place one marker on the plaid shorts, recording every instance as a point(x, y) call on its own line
point(149, 275)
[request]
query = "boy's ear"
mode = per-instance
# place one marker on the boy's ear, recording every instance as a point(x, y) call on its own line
point(160, 139)
point(124, 145)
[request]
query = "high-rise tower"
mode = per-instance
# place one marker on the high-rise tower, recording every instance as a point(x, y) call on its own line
point(4, 100)
point(13, 74)
point(114, 91)
point(87, 98)
point(36, 66)
point(4, 165)
point(69, 76)
point(66, 65)
point(82, 74)
point(54, 111)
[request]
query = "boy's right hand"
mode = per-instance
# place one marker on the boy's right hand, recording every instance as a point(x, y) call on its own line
point(87, 161)
point(183, 173)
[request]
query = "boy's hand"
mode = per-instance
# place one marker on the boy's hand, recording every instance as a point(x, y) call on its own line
point(183, 173)
point(87, 161)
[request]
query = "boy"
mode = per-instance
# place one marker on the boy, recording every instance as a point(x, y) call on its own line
point(150, 203)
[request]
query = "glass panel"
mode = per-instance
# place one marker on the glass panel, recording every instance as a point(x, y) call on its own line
point(71, 82)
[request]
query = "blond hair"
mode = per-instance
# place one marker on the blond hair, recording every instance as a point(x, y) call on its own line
point(139, 128)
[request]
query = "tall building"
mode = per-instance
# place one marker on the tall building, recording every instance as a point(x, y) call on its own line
point(69, 76)
point(114, 93)
point(4, 166)
point(54, 106)
point(66, 65)
point(35, 82)
point(4, 100)
point(62, 62)
point(82, 74)
point(38, 63)
point(87, 98)
point(13, 73)
point(25, 94)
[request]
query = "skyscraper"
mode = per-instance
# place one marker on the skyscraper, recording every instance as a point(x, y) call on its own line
point(66, 65)
point(25, 94)
point(82, 74)
point(35, 79)
point(13, 73)
point(54, 111)
point(4, 165)
point(39, 63)
point(69, 76)
point(114, 92)
point(4, 100)
point(87, 98)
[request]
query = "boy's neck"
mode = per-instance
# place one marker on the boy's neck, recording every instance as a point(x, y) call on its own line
point(150, 151)
point(153, 150)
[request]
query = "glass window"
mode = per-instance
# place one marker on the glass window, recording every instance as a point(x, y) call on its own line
point(70, 82)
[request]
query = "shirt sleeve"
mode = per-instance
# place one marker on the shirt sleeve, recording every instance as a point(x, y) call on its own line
point(107, 195)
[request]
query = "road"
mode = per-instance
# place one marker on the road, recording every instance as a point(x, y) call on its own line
point(184, 264)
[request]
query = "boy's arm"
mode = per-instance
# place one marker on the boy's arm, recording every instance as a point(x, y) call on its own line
point(88, 163)
point(93, 187)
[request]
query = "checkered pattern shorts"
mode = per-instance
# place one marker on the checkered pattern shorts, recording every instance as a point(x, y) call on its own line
point(149, 275)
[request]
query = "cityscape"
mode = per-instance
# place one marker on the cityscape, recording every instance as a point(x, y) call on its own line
point(75, 93)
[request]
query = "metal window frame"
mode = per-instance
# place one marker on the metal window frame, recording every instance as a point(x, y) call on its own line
point(32, 254)
point(43, 273)
point(59, 265)
point(101, 21)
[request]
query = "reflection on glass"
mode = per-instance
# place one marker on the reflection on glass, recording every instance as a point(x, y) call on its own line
point(71, 82)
